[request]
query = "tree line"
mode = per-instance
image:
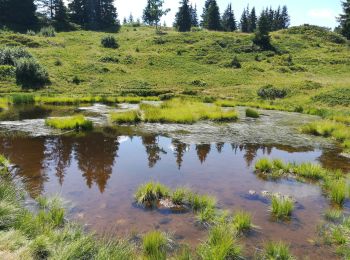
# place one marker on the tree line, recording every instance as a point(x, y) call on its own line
point(21, 15)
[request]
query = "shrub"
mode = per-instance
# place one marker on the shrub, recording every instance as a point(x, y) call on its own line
point(155, 245)
point(235, 63)
point(110, 59)
point(281, 207)
point(271, 92)
point(76, 80)
point(30, 74)
point(9, 55)
point(30, 33)
point(109, 41)
point(7, 71)
point(277, 250)
point(48, 31)
point(251, 113)
point(58, 63)
point(78, 122)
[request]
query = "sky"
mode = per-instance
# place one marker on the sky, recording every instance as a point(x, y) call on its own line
point(318, 12)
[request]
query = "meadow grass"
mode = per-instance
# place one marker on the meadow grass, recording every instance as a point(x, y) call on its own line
point(130, 117)
point(154, 245)
point(186, 112)
point(78, 122)
point(281, 207)
point(277, 250)
point(242, 221)
point(225, 103)
point(221, 244)
point(18, 99)
point(249, 112)
point(149, 193)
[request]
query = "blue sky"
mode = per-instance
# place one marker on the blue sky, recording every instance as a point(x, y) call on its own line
point(320, 12)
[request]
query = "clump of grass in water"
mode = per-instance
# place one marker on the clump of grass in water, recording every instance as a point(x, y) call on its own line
point(221, 244)
point(337, 191)
point(125, 117)
point(310, 171)
point(333, 215)
point(277, 250)
point(251, 113)
point(179, 195)
point(78, 122)
point(154, 246)
point(242, 221)
point(281, 207)
point(200, 202)
point(149, 193)
point(264, 165)
point(273, 169)
point(18, 99)
point(185, 111)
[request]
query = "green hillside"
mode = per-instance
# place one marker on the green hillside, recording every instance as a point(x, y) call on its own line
point(312, 64)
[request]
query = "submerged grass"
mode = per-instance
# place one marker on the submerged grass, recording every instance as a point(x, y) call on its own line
point(132, 116)
point(186, 112)
point(78, 122)
point(281, 207)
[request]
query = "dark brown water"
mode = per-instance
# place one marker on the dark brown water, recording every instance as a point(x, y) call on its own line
point(98, 173)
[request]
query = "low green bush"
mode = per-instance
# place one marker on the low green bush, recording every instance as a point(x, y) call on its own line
point(30, 74)
point(251, 113)
point(48, 31)
point(271, 92)
point(109, 41)
point(10, 55)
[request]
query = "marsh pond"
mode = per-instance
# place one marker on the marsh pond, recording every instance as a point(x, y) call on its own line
point(97, 172)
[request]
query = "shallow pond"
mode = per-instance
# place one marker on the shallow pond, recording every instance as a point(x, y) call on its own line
point(99, 171)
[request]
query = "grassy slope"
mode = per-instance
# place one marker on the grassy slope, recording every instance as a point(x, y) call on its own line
point(186, 57)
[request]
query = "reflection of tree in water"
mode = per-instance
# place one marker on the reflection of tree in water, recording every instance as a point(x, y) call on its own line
point(59, 151)
point(152, 149)
point(28, 154)
point(95, 154)
point(219, 147)
point(179, 151)
point(202, 151)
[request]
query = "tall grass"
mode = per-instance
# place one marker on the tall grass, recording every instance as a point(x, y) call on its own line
point(242, 221)
point(185, 111)
point(310, 171)
point(78, 122)
point(154, 245)
point(337, 191)
point(264, 165)
point(132, 116)
point(277, 250)
point(281, 207)
point(149, 193)
point(18, 99)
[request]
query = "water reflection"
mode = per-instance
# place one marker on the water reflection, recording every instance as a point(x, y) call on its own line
point(95, 155)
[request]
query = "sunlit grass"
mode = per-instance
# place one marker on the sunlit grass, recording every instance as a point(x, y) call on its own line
point(186, 112)
point(251, 113)
point(277, 251)
point(154, 245)
point(149, 193)
point(242, 221)
point(281, 207)
point(333, 215)
point(77, 122)
point(132, 116)
point(310, 171)
point(178, 196)
point(264, 165)
point(337, 191)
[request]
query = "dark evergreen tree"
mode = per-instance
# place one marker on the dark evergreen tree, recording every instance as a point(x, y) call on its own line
point(60, 18)
point(228, 20)
point(194, 16)
point(214, 19)
point(344, 20)
point(107, 16)
point(183, 19)
point(204, 22)
point(131, 18)
point(245, 21)
point(153, 12)
point(18, 15)
point(252, 20)
point(285, 18)
point(125, 21)
point(262, 37)
point(46, 7)
point(78, 10)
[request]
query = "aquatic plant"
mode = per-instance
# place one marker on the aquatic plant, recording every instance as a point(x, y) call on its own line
point(221, 244)
point(249, 112)
point(242, 221)
point(277, 250)
point(77, 122)
point(310, 171)
point(132, 116)
point(333, 215)
point(149, 193)
point(154, 245)
point(178, 196)
point(264, 165)
point(206, 216)
point(18, 99)
point(337, 191)
point(281, 207)
point(200, 202)
point(320, 128)
point(225, 103)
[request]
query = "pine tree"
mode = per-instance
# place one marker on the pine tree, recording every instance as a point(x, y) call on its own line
point(252, 20)
point(344, 19)
point(285, 19)
point(194, 17)
point(214, 19)
point(204, 22)
point(78, 11)
point(60, 18)
point(262, 37)
point(108, 16)
point(18, 15)
point(46, 7)
point(153, 12)
point(245, 21)
point(183, 19)
point(131, 18)
point(228, 20)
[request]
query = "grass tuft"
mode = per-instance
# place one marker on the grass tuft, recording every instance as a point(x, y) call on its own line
point(277, 250)
point(77, 122)
point(132, 116)
point(149, 193)
point(249, 112)
point(281, 207)
point(154, 245)
point(242, 221)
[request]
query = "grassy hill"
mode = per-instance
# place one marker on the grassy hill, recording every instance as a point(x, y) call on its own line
point(312, 64)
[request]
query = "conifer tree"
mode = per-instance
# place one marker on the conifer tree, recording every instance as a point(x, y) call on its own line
point(18, 14)
point(194, 16)
point(213, 17)
point(153, 12)
point(183, 19)
point(262, 37)
point(245, 21)
point(60, 18)
point(344, 19)
point(252, 20)
point(285, 19)
point(228, 20)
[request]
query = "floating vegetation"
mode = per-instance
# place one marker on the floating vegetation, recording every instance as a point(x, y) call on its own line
point(186, 112)
point(282, 207)
point(130, 117)
point(249, 112)
point(78, 122)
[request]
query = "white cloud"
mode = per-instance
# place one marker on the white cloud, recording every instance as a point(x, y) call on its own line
point(322, 13)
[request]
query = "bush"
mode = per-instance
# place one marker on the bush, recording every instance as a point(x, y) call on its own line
point(7, 71)
point(30, 33)
point(30, 74)
point(271, 92)
point(251, 113)
point(235, 63)
point(110, 59)
point(109, 41)
point(48, 31)
point(9, 55)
